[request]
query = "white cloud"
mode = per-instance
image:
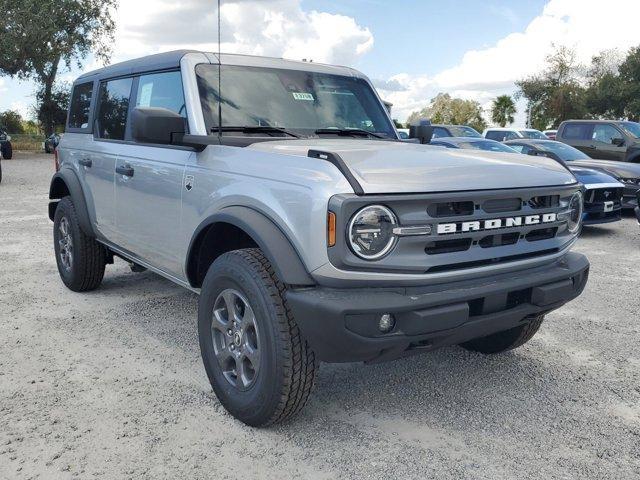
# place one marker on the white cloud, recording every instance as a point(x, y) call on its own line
point(261, 27)
point(589, 26)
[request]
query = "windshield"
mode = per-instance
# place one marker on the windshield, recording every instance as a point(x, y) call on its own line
point(463, 131)
point(632, 128)
point(533, 134)
point(298, 101)
point(488, 145)
point(563, 151)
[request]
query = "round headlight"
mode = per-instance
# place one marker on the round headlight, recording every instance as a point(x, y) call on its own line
point(371, 232)
point(573, 213)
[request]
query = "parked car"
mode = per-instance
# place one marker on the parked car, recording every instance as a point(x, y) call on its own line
point(637, 209)
point(626, 173)
point(603, 139)
point(440, 130)
point(602, 193)
point(403, 133)
point(309, 230)
point(472, 144)
point(51, 142)
point(504, 134)
point(6, 149)
point(551, 134)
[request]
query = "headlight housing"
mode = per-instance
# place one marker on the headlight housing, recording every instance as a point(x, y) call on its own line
point(370, 232)
point(572, 214)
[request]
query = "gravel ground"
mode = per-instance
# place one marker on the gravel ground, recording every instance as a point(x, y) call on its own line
point(110, 384)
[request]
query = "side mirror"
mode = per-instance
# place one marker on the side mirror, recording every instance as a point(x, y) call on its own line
point(156, 125)
point(618, 142)
point(423, 131)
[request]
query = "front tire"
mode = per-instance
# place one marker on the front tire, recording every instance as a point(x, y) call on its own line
point(81, 259)
point(507, 340)
point(259, 365)
point(7, 151)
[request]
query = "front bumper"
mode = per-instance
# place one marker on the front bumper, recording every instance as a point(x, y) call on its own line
point(341, 325)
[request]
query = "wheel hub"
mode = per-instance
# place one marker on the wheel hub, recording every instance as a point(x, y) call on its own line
point(234, 332)
point(65, 244)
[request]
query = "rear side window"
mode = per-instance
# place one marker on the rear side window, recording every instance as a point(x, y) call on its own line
point(496, 135)
point(162, 90)
point(577, 131)
point(439, 132)
point(80, 105)
point(114, 108)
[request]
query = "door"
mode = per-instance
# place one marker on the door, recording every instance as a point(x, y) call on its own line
point(606, 141)
point(149, 182)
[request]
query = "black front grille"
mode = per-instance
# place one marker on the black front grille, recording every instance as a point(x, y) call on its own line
point(599, 195)
point(544, 201)
point(450, 209)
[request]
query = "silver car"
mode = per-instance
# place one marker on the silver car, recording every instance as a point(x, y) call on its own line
point(280, 192)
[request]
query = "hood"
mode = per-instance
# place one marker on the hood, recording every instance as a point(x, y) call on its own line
point(399, 167)
point(613, 168)
point(588, 176)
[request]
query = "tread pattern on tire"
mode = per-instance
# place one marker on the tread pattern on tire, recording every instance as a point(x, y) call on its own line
point(507, 340)
point(93, 253)
point(300, 362)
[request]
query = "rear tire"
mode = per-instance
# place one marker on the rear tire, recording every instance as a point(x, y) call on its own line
point(259, 365)
point(507, 340)
point(81, 259)
point(7, 151)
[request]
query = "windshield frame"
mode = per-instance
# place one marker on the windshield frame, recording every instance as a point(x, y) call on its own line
point(373, 108)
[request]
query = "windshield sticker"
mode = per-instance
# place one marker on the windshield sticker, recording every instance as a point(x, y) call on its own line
point(303, 96)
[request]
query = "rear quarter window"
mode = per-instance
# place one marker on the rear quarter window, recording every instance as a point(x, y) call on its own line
point(577, 131)
point(80, 106)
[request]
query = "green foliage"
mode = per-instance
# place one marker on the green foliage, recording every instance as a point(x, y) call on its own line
point(11, 121)
point(40, 36)
point(630, 84)
point(455, 111)
point(555, 94)
point(397, 123)
point(30, 127)
point(503, 110)
point(53, 111)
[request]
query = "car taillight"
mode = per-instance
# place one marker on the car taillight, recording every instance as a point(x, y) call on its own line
point(56, 163)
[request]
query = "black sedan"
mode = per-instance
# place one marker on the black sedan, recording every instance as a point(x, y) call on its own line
point(626, 173)
point(602, 193)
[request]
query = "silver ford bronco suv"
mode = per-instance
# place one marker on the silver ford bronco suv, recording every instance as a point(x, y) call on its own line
point(280, 192)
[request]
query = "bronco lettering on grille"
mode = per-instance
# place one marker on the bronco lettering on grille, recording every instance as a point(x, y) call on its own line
point(492, 224)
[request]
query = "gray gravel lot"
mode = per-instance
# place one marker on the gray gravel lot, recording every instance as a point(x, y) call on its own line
point(110, 384)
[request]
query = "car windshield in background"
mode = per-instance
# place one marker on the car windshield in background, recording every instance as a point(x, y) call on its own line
point(294, 100)
point(533, 134)
point(487, 145)
point(462, 131)
point(632, 128)
point(563, 151)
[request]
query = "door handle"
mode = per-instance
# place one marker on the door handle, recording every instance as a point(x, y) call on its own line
point(125, 170)
point(85, 162)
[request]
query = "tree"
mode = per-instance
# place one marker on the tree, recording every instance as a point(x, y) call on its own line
point(40, 36)
point(603, 97)
point(456, 111)
point(555, 94)
point(503, 110)
point(53, 112)
point(630, 84)
point(12, 121)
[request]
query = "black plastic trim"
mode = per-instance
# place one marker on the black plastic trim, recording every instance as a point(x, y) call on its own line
point(339, 163)
point(70, 179)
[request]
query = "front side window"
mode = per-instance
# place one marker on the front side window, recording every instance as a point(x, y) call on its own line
point(298, 101)
point(605, 133)
point(535, 134)
point(113, 108)
point(496, 135)
point(163, 90)
point(80, 105)
point(577, 131)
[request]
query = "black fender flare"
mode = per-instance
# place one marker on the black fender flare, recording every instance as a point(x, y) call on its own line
point(66, 180)
point(283, 257)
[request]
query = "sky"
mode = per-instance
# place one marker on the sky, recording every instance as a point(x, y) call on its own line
point(411, 49)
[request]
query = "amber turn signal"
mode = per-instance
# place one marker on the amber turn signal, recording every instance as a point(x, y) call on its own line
point(331, 229)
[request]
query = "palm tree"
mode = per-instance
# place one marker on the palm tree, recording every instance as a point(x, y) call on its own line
point(503, 110)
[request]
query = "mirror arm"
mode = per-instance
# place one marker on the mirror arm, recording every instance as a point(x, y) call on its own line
point(197, 142)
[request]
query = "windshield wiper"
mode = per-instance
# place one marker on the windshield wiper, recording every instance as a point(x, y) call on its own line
point(255, 129)
point(348, 132)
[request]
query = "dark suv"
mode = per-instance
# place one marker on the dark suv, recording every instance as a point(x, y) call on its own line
point(603, 139)
point(5, 144)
